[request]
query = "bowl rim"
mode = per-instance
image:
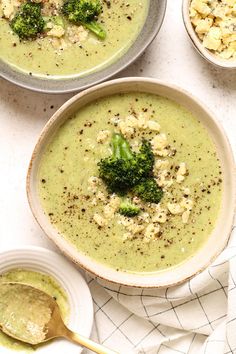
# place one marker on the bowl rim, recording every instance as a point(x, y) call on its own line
point(134, 280)
point(197, 43)
point(107, 72)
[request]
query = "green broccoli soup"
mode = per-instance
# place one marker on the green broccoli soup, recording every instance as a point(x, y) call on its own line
point(132, 180)
point(40, 281)
point(60, 38)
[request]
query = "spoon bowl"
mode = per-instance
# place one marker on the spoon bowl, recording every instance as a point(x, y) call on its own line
point(32, 316)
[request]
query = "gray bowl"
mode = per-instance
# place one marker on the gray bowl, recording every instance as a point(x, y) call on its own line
point(149, 31)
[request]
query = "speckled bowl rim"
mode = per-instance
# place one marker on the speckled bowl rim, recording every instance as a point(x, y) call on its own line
point(197, 43)
point(147, 34)
point(187, 269)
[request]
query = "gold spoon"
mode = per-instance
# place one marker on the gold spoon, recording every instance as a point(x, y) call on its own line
point(32, 316)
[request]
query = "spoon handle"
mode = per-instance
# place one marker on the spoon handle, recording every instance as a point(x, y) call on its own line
point(88, 343)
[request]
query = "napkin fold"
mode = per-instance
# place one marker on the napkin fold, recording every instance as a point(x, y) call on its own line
point(195, 317)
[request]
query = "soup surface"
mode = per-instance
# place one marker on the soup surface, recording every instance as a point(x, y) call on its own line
point(77, 51)
point(186, 168)
point(40, 281)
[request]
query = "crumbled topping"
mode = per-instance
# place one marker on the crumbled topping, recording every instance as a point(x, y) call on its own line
point(160, 215)
point(146, 225)
point(111, 208)
point(159, 142)
point(101, 196)
point(186, 191)
point(174, 208)
point(9, 8)
point(180, 175)
point(99, 220)
point(185, 216)
point(129, 124)
point(152, 125)
point(163, 180)
point(125, 129)
point(161, 165)
point(93, 183)
point(214, 22)
point(103, 136)
point(56, 31)
point(76, 34)
point(151, 232)
point(142, 121)
point(186, 203)
point(145, 217)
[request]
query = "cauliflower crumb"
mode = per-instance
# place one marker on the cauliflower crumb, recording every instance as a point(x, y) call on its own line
point(108, 212)
point(76, 34)
point(103, 135)
point(161, 165)
point(175, 208)
point(111, 207)
point(212, 39)
point(214, 22)
point(151, 232)
point(142, 121)
point(186, 203)
point(162, 181)
point(160, 216)
point(56, 31)
point(159, 145)
point(127, 236)
point(94, 201)
point(101, 196)
point(144, 217)
point(131, 121)
point(125, 129)
point(186, 190)
point(152, 125)
point(114, 201)
point(201, 7)
point(159, 142)
point(180, 176)
point(93, 182)
point(136, 229)
point(185, 216)
point(99, 220)
point(9, 7)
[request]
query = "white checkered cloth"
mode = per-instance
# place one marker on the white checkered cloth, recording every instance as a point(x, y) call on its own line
point(196, 317)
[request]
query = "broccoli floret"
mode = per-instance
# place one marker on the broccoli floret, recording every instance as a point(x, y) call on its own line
point(149, 191)
point(82, 10)
point(94, 27)
point(85, 12)
point(124, 169)
point(128, 209)
point(145, 158)
point(28, 21)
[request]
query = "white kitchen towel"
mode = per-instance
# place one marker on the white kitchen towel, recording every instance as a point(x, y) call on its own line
point(196, 317)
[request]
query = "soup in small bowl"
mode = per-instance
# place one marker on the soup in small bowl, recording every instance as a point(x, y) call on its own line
point(131, 180)
point(66, 45)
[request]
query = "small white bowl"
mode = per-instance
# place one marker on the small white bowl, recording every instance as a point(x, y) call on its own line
point(218, 238)
point(80, 301)
point(204, 52)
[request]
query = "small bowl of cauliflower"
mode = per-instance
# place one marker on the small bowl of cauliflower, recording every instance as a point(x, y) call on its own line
point(211, 26)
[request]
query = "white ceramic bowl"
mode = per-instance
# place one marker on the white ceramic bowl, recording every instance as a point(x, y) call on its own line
point(80, 301)
point(197, 43)
point(216, 241)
